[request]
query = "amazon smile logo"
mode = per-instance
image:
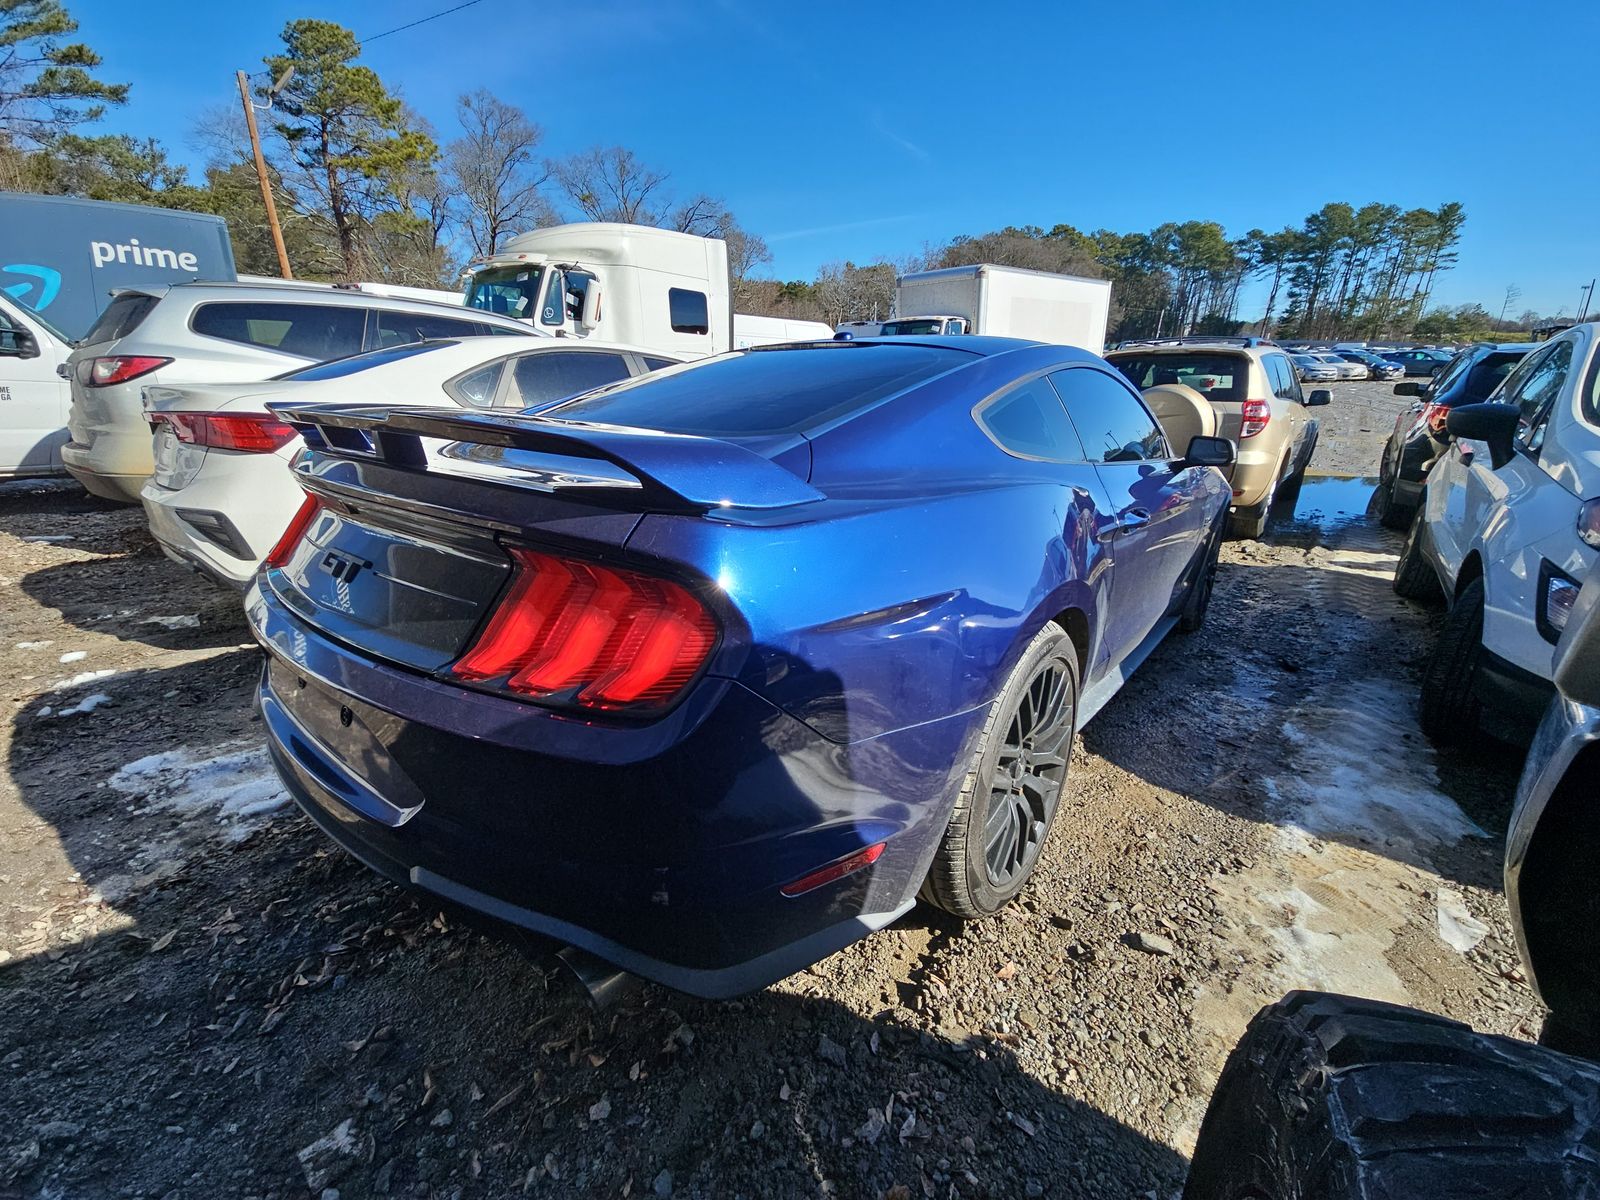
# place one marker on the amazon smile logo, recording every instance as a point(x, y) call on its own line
point(46, 280)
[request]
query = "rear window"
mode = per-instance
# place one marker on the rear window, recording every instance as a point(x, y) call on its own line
point(549, 375)
point(758, 393)
point(121, 317)
point(1214, 376)
point(1488, 373)
point(319, 331)
point(340, 367)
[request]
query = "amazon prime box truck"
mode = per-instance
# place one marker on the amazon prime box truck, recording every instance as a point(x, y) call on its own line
point(62, 257)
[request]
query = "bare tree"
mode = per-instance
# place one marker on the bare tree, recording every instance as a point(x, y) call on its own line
point(494, 172)
point(611, 185)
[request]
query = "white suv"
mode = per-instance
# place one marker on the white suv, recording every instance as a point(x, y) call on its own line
point(1509, 524)
point(222, 333)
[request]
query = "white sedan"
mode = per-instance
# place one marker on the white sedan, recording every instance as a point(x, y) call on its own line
point(222, 492)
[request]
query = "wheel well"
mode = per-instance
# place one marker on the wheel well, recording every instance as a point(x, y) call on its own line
point(1077, 627)
point(1471, 568)
point(1556, 894)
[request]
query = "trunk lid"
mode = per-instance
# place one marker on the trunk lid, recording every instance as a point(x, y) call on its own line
point(408, 554)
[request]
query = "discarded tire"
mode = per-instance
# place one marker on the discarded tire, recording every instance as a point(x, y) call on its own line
point(1333, 1097)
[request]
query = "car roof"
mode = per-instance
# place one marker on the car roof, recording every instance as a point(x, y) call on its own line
point(325, 294)
point(983, 345)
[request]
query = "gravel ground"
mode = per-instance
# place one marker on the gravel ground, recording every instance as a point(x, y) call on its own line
point(201, 997)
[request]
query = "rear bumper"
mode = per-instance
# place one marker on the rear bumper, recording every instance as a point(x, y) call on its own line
point(114, 466)
point(660, 848)
point(248, 506)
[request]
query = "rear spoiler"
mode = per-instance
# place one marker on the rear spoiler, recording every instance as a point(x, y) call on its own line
point(676, 470)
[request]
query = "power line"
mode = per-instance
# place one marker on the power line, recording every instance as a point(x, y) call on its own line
point(419, 21)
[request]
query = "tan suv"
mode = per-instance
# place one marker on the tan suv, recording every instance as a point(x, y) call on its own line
point(1254, 392)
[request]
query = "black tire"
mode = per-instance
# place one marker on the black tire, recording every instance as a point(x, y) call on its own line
point(1571, 1035)
point(1001, 820)
point(1450, 704)
point(1337, 1098)
point(1390, 512)
point(1192, 614)
point(1413, 577)
point(1289, 493)
point(1249, 523)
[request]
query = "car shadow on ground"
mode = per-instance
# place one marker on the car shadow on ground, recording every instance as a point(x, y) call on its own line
point(1281, 721)
point(235, 1006)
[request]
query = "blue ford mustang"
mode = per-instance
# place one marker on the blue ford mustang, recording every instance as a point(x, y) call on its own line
point(712, 672)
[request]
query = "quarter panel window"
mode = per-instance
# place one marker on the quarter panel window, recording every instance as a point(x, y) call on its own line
point(477, 388)
point(689, 311)
point(399, 328)
point(1536, 392)
point(316, 331)
point(1112, 421)
point(555, 375)
point(1029, 421)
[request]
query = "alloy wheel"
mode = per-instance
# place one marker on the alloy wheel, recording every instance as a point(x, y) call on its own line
point(1028, 774)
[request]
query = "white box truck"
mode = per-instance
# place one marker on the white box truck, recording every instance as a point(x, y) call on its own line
point(1002, 302)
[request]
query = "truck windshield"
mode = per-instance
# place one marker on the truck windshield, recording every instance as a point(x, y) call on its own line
point(510, 291)
point(912, 328)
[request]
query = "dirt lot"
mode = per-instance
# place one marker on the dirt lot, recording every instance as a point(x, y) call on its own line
point(200, 997)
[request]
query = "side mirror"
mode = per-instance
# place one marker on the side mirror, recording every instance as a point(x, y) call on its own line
point(1210, 452)
point(590, 316)
point(1409, 388)
point(1320, 396)
point(1493, 424)
point(18, 343)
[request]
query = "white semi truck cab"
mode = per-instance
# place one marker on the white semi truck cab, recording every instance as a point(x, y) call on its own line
point(647, 287)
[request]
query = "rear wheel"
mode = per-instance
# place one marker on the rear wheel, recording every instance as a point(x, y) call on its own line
point(1450, 704)
point(1193, 613)
point(1339, 1098)
point(1390, 513)
point(1252, 522)
point(1008, 802)
point(1413, 577)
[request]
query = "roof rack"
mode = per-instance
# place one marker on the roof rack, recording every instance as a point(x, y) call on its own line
point(1199, 340)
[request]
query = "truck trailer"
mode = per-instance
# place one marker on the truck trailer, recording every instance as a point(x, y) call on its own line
point(63, 257)
point(1002, 302)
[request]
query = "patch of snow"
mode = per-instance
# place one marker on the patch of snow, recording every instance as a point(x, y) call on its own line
point(34, 645)
point(87, 705)
point(73, 656)
point(187, 621)
point(46, 711)
point(79, 680)
point(238, 786)
point(1458, 928)
point(48, 537)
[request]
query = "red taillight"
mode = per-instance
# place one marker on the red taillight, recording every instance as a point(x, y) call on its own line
point(252, 433)
point(1253, 417)
point(597, 637)
point(117, 368)
point(1435, 415)
point(834, 870)
point(298, 524)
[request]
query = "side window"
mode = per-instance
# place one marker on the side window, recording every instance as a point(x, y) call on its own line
point(1112, 421)
point(689, 311)
point(556, 374)
point(1277, 375)
point(577, 283)
point(1536, 392)
point(1028, 421)
point(477, 388)
point(314, 331)
point(655, 364)
point(1291, 380)
point(399, 328)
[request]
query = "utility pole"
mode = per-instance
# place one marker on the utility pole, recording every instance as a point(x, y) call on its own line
point(1588, 295)
point(261, 171)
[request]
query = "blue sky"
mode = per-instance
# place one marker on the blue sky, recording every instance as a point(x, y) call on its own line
point(862, 130)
